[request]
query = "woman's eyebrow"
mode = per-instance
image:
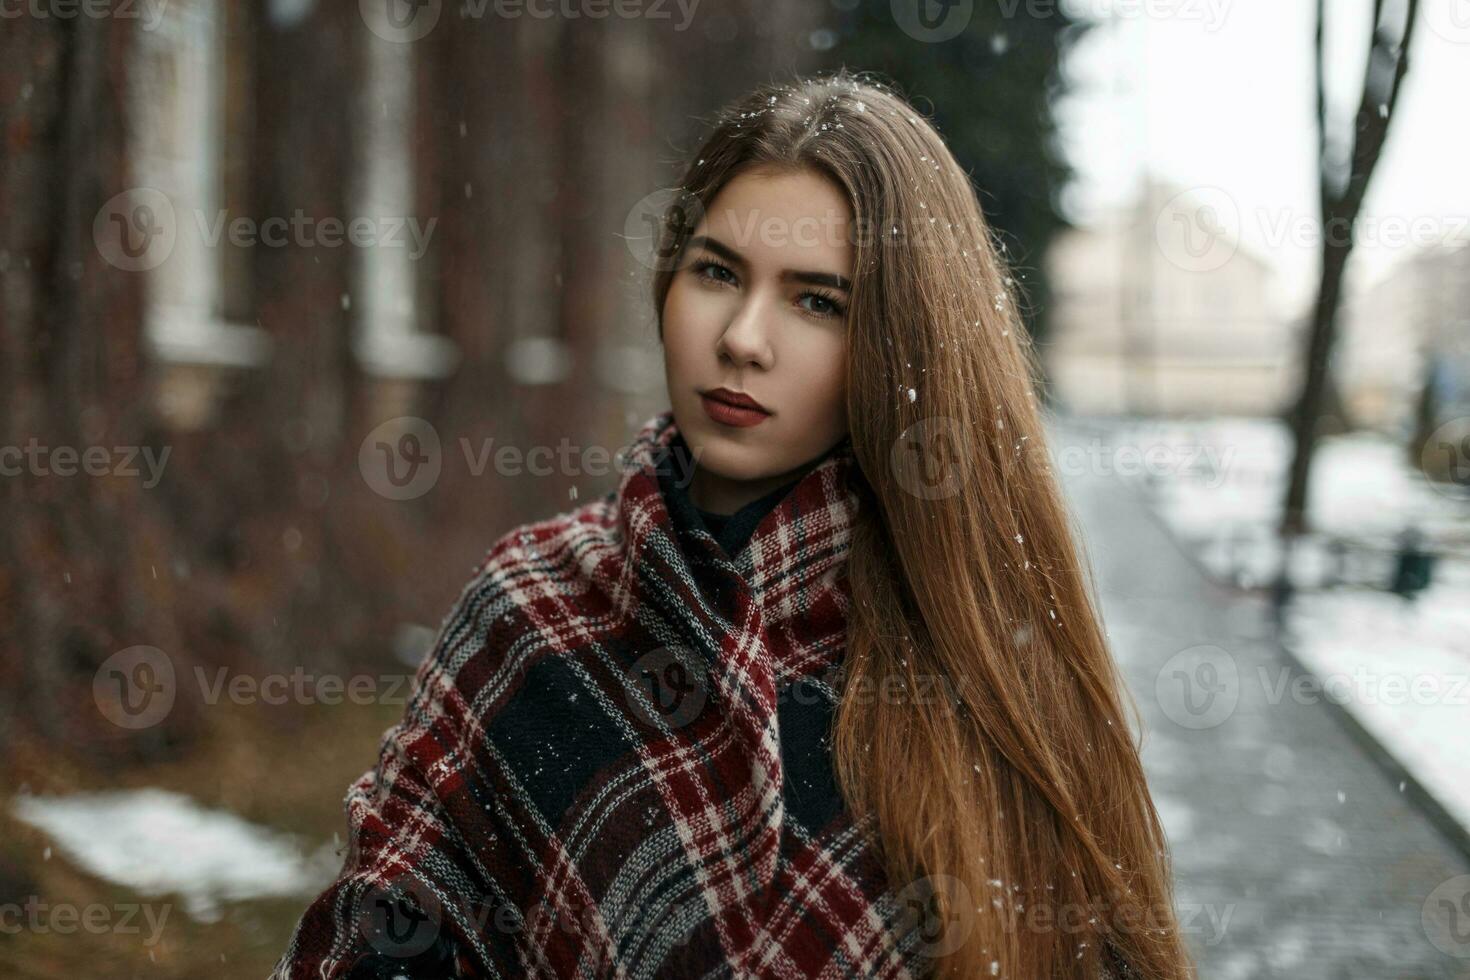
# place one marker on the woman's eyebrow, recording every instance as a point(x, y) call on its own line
point(724, 251)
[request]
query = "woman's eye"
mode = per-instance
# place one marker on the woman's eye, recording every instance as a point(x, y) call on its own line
point(705, 266)
point(828, 306)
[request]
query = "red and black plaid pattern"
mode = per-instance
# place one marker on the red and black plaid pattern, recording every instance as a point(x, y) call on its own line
point(615, 762)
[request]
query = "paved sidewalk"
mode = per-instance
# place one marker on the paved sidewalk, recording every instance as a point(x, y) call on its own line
point(1294, 855)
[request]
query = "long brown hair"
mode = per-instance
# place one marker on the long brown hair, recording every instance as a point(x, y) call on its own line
point(1014, 804)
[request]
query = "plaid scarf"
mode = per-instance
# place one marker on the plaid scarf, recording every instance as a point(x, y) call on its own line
point(615, 761)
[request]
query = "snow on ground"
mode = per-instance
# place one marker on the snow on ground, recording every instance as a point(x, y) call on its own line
point(1402, 669)
point(158, 842)
point(1218, 483)
point(1408, 688)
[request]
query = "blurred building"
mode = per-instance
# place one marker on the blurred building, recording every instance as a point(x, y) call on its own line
point(526, 303)
point(194, 98)
point(1159, 310)
point(1409, 329)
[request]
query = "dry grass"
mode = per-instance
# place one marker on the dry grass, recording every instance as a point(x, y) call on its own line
point(287, 773)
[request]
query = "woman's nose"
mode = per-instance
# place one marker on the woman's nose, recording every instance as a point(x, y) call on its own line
point(744, 340)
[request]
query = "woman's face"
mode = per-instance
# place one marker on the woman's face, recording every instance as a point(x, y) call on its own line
point(758, 307)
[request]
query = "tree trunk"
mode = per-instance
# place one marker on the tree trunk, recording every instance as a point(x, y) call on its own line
point(1341, 197)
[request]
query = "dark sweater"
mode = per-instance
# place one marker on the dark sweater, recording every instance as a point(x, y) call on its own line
point(731, 531)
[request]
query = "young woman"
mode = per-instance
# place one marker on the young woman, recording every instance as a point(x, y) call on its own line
point(819, 690)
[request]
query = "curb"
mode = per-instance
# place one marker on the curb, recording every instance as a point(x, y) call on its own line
point(1456, 834)
point(1449, 827)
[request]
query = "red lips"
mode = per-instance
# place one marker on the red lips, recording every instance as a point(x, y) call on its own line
point(736, 398)
point(733, 408)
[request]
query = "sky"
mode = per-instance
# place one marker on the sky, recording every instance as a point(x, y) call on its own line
point(1220, 93)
